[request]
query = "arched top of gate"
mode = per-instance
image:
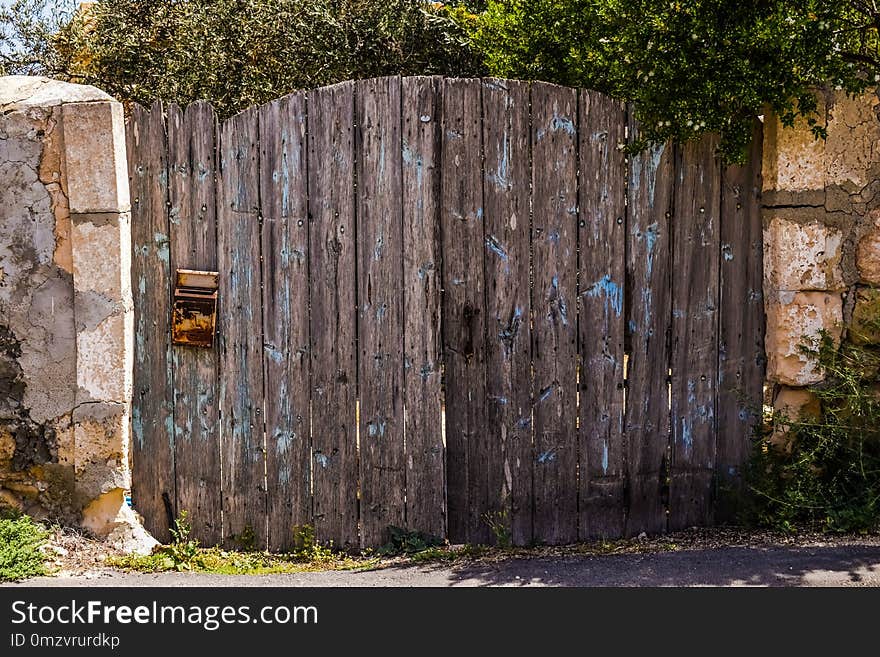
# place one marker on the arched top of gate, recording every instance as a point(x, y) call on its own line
point(492, 90)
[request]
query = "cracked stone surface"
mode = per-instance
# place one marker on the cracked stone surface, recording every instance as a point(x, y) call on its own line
point(65, 304)
point(822, 231)
point(37, 336)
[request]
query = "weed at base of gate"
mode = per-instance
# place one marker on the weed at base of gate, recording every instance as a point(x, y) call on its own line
point(499, 524)
point(184, 554)
point(449, 553)
point(408, 542)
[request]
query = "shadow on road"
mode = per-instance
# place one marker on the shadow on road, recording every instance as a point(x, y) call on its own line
point(820, 566)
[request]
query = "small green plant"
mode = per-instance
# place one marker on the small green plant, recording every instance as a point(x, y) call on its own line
point(20, 542)
point(307, 548)
point(408, 541)
point(185, 554)
point(499, 523)
point(182, 550)
point(247, 539)
point(821, 470)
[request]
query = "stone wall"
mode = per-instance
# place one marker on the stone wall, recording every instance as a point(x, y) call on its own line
point(65, 306)
point(822, 238)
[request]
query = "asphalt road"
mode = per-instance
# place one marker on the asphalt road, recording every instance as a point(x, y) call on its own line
point(847, 565)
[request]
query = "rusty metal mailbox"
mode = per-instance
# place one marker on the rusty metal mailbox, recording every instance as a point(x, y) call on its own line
point(194, 314)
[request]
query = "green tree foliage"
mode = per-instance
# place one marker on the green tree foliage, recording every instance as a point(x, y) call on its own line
point(691, 66)
point(27, 28)
point(237, 53)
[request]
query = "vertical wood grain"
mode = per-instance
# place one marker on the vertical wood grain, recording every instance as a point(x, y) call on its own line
point(284, 196)
point(240, 321)
point(421, 133)
point(332, 323)
point(648, 312)
point(380, 308)
point(741, 338)
point(554, 339)
point(695, 270)
point(464, 312)
point(508, 334)
point(193, 243)
point(601, 320)
point(153, 483)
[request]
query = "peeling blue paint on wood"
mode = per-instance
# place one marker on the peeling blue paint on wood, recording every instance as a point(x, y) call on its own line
point(376, 428)
point(137, 424)
point(546, 392)
point(687, 439)
point(547, 456)
point(273, 352)
point(612, 291)
point(377, 249)
point(495, 247)
point(556, 303)
point(508, 332)
point(162, 251)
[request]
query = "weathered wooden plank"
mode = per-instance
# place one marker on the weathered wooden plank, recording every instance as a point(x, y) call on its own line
point(332, 290)
point(240, 319)
point(421, 133)
point(153, 492)
point(695, 269)
point(508, 335)
point(283, 195)
point(601, 328)
point(193, 241)
point(554, 337)
point(741, 324)
point(464, 312)
point(380, 311)
point(648, 312)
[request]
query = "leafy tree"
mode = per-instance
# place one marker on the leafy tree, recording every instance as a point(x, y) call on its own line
point(691, 66)
point(237, 53)
point(26, 31)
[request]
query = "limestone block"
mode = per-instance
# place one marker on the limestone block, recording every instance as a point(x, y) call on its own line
point(793, 404)
point(868, 255)
point(793, 161)
point(96, 248)
point(101, 363)
point(802, 256)
point(793, 318)
point(865, 328)
point(94, 148)
point(853, 142)
point(101, 457)
point(23, 91)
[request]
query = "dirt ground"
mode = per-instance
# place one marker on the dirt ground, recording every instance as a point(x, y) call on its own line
point(705, 557)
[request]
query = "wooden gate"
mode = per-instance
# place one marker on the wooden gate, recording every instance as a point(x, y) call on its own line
point(447, 305)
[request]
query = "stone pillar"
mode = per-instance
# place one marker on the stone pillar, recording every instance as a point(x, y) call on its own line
point(821, 238)
point(66, 316)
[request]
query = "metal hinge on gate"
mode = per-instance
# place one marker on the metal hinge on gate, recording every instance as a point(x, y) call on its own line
point(194, 314)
